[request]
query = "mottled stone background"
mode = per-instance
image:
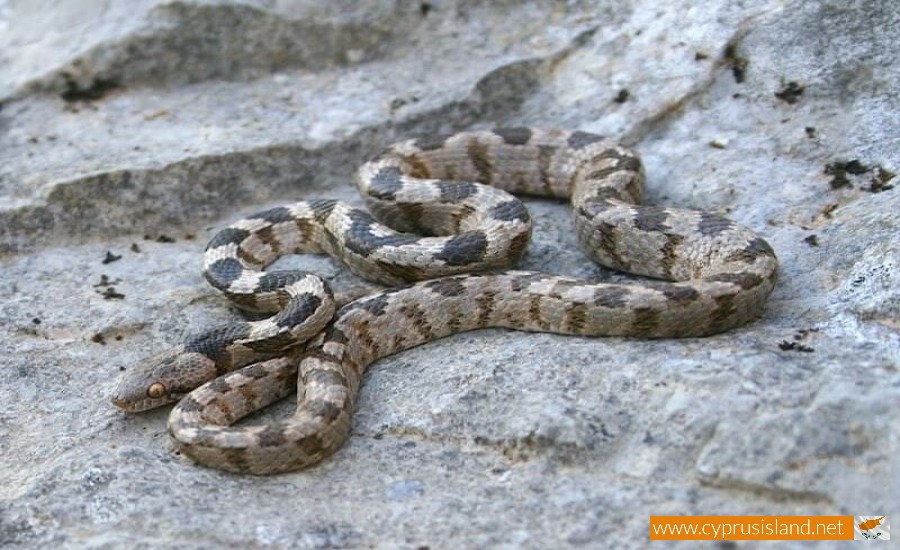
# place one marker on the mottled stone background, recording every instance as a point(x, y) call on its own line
point(131, 130)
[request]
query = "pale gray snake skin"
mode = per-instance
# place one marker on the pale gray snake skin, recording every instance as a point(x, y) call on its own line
point(713, 274)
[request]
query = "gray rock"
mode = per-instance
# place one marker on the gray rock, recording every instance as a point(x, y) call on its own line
point(137, 129)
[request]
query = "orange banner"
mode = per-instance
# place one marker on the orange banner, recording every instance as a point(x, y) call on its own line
point(751, 527)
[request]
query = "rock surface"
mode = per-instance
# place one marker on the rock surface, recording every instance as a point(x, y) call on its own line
point(130, 131)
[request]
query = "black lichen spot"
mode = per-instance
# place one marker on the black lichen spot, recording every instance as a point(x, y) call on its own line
point(791, 93)
point(786, 345)
point(98, 338)
point(511, 210)
point(110, 257)
point(165, 239)
point(464, 249)
point(812, 240)
point(222, 273)
point(448, 286)
point(106, 281)
point(810, 132)
point(386, 183)
point(580, 140)
point(514, 136)
point(110, 294)
point(135, 248)
point(622, 96)
point(274, 216)
point(229, 235)
point(425, 8)
point(880, 180)
point(700, 56)
point(829, 209)
point(839, 170)
point(98, 88)
point(455, 191)
point(432, 142)
point(613, 297)
point(737, 63)
point(710, 224)
point(651, 218)
point(396, 104)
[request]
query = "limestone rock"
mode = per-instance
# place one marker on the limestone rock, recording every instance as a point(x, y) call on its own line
point(131, 131)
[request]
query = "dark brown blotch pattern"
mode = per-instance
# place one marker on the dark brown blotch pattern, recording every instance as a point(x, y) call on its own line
point(651, 218)
point(455, 191)
point(222, 273)
point(229, 235)
point(386, 183)
point(511, 210)
point(479, 155)
point(682, 294)
point(447, 286)
point(646, 322)
point(711, 224)
point(465, 249)
point(215, 343)
point(745, 280)
point(612, 297)
point(669, 254)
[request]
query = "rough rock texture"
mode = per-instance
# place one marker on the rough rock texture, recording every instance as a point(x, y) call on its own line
point(131, 130)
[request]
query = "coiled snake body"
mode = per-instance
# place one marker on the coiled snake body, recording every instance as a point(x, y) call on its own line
point(714, 275)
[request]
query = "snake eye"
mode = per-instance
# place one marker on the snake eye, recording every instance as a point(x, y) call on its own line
point(156, 390)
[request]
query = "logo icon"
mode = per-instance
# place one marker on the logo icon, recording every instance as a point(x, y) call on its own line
point(871, 527)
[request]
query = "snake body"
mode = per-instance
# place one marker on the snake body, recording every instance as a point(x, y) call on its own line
point(447, 221)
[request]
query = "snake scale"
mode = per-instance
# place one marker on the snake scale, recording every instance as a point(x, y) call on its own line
point(442, 231)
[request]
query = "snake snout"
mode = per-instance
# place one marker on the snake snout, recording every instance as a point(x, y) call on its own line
point(121, 403)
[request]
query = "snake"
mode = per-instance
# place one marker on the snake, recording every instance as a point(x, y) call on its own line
point(441, 236)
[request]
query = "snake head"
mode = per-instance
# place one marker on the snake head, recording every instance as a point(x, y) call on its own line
point(162, 379)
